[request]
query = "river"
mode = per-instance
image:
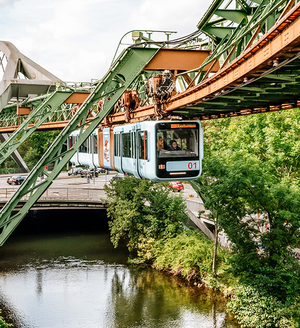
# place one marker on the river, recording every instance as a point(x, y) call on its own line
point(52, 278)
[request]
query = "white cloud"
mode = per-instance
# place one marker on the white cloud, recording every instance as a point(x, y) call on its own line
point(6, 3)
point(75, 40)
point(181, 16)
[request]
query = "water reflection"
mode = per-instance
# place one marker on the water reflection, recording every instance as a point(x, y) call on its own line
point(81, 281)
point(150, 299)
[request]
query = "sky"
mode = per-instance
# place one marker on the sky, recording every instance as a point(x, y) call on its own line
point(76, 40)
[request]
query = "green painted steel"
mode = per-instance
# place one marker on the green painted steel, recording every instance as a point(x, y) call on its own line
point(222, 21)
point(38, 116)
point(120, 77)
point(278, 85)
point(9, 116)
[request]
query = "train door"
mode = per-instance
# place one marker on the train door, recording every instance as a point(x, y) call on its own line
point(95, 149)
point(142, 152)
point(128, 153)
point(72, 140)
point(118, 149)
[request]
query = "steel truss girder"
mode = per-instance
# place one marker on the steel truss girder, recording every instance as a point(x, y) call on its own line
point(121, 75)
point(220, 21)
point(10, 120)
point(258, 92)
point(34, 120)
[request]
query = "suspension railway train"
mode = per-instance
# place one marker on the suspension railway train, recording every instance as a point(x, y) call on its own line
point(155, 150)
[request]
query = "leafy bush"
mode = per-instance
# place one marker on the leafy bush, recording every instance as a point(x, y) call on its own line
point(4, 324)
point(282, 284)
point(189, 253)
point(142, 210)
point(254, 309)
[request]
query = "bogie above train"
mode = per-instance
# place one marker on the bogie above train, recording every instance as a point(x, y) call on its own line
point(155, 150)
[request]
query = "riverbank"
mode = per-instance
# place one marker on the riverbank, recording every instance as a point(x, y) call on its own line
point(250, 305)
point(79, 279)
point(153, 222)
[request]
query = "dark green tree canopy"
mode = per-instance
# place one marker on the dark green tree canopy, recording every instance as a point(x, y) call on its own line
point(141, 209)
point(251, 180)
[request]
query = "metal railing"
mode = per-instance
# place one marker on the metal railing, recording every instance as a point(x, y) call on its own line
point(59, 193)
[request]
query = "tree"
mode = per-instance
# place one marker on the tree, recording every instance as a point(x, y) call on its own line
point(34, 147)
point(256, 171)
point(141, 210)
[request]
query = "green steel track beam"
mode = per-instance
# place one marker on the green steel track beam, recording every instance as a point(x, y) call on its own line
point(235, 16)
point(120, 76)
point(35, 118)
point(243, 33)
point(250, 18)
point(209, 13)
point(219, 32)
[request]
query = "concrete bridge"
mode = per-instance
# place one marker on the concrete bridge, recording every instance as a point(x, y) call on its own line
point(76, 193)
point(63, 204)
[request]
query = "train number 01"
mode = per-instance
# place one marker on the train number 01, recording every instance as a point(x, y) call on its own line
point(191, 165)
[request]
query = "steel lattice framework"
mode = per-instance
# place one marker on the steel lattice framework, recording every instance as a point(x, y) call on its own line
point(243, 59)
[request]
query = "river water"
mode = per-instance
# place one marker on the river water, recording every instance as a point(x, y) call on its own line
point(59, 279)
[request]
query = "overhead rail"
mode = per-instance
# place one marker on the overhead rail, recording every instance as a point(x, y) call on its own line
point(265, 77)
point(227, 81)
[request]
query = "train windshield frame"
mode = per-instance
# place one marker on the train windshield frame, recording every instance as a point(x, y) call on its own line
point(177, 143)
point(177, 140)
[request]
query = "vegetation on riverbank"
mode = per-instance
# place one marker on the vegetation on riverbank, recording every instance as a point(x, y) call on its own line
point(255, 198)
point(251, 185)
point(152, 221)
point(140, 213)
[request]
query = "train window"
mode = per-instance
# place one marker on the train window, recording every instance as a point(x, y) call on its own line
point(73, 140)
point(84, 147)
point(126, 145)
point(95, 139)
point(117, 144)
point(177, 140)
point(142, 142)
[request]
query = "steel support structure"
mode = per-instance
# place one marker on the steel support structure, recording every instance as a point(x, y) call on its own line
point(121, 75)
point(34, 120)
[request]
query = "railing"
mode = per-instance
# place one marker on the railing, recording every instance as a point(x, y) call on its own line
point(59, 193)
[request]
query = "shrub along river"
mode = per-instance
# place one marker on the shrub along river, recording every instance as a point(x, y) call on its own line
point(59, 270)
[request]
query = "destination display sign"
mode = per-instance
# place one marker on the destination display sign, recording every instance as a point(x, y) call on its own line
point(182, 126)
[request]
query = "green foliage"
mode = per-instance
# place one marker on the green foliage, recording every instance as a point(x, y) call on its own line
point(255, 161)
point(255, 309)
point(243, 189)
point(189, 253)
point(141, 210)
point(4, 324)
point(283, 284)
point(255, 164)
point(34, 147)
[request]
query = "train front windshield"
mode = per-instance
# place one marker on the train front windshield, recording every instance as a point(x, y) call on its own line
point(177, 150)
